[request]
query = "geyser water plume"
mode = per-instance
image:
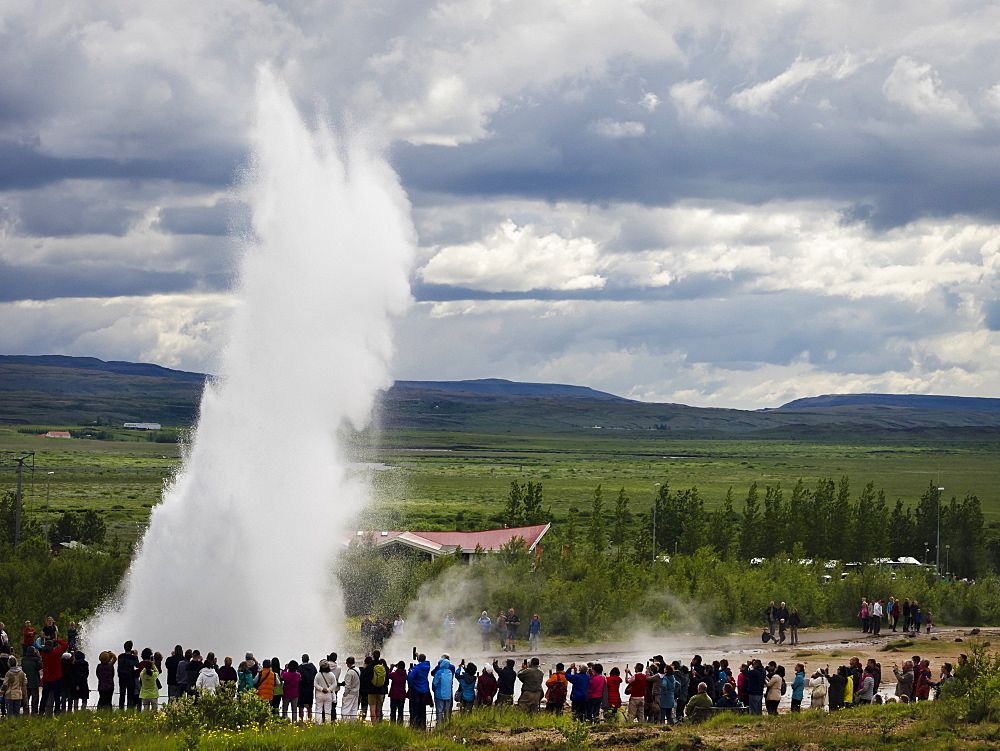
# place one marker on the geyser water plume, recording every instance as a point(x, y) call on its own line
point(238, 555)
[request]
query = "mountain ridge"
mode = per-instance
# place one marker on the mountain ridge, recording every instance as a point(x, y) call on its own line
point(62, 390)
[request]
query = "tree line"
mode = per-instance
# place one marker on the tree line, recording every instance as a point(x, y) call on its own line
point(825, 521)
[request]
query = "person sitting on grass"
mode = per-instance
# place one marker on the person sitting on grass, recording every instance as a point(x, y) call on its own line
point(700, 700)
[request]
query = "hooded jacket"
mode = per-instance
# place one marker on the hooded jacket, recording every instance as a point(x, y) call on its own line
point(208, 679)
point(444, 678)
point(15, 684)
point(668, 690)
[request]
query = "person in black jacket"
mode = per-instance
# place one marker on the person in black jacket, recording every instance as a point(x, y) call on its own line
point(756, 678)
point(176, 657)
point(506, 678)
point(838, 686)
point(782, 615)
point(794, 621)
point(308, 672)
point(194, 666)
point(128, 660)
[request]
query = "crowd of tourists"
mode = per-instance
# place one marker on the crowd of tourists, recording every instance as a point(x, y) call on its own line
point(52, 675)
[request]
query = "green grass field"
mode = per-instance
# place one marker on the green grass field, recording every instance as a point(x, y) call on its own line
point(446, 479)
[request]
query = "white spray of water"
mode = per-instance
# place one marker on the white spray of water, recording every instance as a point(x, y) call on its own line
point(238, 555)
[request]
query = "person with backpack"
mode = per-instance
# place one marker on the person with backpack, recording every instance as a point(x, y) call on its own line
point(379, 687)
point(557, 688)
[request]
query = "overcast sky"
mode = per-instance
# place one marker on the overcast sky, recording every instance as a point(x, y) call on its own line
point(715, 203)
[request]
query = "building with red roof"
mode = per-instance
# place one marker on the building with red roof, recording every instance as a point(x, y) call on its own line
point(435, 544)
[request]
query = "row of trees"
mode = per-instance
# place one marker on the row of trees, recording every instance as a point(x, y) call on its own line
point(588, 596)
point(88, 527)
point(825, 521)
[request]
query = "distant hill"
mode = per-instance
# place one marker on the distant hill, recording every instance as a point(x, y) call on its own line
point(909, 401)
point(112, 366)
point(58, 390)
point(497, 387)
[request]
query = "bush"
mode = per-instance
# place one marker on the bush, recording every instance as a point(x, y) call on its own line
point(224, 709)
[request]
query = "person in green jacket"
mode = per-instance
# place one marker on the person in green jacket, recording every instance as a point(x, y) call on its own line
point(149, 692)
point(700, 699)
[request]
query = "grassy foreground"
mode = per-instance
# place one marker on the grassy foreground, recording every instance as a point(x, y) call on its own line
point(930, 725)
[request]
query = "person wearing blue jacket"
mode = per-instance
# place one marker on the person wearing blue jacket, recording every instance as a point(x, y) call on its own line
point(467, 687)
point(798, 686)
point(578, 696)
point(420, 691)
point(444, 688)
point(668, 690)
point(534, 630)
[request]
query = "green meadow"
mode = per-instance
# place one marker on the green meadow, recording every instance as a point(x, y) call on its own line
point(461, 480)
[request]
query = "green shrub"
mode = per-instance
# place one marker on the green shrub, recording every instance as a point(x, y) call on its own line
point(224, 709)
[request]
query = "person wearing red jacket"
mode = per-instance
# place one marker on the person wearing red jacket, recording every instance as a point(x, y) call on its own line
point(52, 672)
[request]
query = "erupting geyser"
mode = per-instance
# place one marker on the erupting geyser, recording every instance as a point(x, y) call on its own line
point(238, 555)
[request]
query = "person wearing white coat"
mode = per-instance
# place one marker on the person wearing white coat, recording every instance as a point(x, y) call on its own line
point(818, 686)
point(352, 693)
point(325, 688)
point(208, 680)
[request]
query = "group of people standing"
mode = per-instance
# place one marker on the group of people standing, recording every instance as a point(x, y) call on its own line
point(781, 618)
point(872, 612)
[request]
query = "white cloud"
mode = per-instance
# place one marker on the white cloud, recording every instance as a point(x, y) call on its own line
point(691, 100)
point(610, 128)
point(179, 331)
point(757, 100)
point(917, 87)
point(516, 258)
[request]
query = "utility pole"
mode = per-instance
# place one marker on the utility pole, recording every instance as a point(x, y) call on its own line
point(656, 485)
point(17, 497)
point(938, 564)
